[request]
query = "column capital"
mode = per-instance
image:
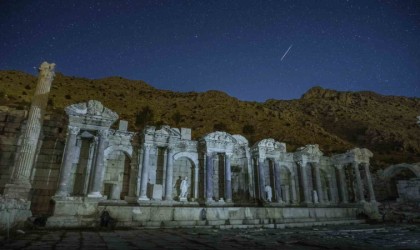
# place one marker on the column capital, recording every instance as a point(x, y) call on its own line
point(74, 130)
point(301, 163)
point(261, 159)
point(103, 133)
point(229, 155)
point(170, 148)
point(148, 146)
point(338, 165)
point(210, 154)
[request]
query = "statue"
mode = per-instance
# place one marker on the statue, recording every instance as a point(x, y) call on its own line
point(184, 188)
point(315, 195)
point(268, 192)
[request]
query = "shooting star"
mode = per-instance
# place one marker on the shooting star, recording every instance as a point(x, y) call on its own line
point(285, 53)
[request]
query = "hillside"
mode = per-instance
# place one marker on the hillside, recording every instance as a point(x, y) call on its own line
point(337, 121)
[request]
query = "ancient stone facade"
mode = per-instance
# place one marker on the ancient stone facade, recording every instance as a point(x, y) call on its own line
point(102, 168)
point(162, 176)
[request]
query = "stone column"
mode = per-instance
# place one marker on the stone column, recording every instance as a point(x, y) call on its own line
point(20, 180)
point(277, 179)
point(318, 183)
point(261, 178)
point(195, 181)
point(369, 181)
point(305, 185)
point(343, 184)
point(145, 172)
point(209, 177)
point(228, 178)
point(72, 133)
point(330, 189)
point(169, 173)
point(294, 193)
point(98, 175)
point(358, 181)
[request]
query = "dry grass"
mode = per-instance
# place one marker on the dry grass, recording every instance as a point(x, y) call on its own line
point(337, 121)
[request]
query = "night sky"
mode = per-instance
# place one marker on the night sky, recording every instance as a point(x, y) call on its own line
point(252, 50)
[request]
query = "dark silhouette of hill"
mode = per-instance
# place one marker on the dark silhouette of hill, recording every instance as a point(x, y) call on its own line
point(335, 120)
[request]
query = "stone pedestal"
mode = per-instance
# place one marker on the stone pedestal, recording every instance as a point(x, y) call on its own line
point(156, 191)
point(115, 192)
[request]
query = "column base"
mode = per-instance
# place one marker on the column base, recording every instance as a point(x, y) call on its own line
point(95, 195)
point(143, 198)
point(18, 191)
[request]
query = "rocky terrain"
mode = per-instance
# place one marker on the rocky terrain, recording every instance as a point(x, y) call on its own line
point(337, 121)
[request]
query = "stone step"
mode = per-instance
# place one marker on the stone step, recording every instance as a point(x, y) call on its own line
point(223, 224)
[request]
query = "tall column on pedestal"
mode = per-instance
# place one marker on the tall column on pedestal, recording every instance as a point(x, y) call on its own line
point(318, 183)
point(305, 184)
point(63, 189)
point(358, 181)
point(209, 177)
point(369, 181)
point(277, 179)
point(169, 174)
point(261, 178)
point(228, 178)
point(145, 172)
point(20, 179)
point(98, 175)
point(343, 184)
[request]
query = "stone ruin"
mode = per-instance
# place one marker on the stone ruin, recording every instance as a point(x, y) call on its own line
point(137, 177)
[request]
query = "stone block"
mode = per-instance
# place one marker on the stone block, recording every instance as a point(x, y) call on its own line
point(185, 213)
point(123, 125)
point(141, 213)
point(162, 214)
point(156, 191)
point(186, 133)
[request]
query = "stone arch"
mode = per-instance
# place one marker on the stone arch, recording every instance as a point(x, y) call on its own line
point(117, 172)
point(396, 174)
point(184, 165)
point(395, 169)
point(192, 157)
point(128, 150)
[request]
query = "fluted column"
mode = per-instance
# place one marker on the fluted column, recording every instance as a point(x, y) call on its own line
point(305, 185)
point(261, 178)
point(277, 179)
point(358, 181)
point(98, 175)
point(343, 184)
point(169, 174)
point(209, 177)
point(145, 172)
point(318, 183)
point(63, 189)
point(369, 181)
point(228, 178)
point(20, 179)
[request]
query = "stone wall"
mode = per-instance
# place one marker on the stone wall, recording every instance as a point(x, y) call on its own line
point(11, 121)
point(46, 170)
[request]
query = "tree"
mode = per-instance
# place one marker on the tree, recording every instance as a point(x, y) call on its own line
point(177, 117)
point(220, 126)
point(144, 117)
point(248, 129)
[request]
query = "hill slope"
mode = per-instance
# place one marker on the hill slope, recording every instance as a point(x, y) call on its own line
point(337, 121)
